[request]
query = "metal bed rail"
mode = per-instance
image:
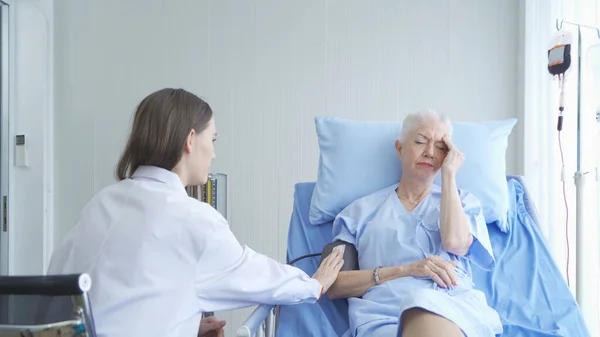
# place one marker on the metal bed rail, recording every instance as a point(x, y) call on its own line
point(262, 322)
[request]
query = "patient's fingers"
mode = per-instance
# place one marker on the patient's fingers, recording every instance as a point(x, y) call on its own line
point(445, 270)
point(448, 268)
point(443, 274)
point(432, 275)
point(439, 269)
point(453, 273)
point(436, 273)
point(446, 139)
point(452, 265)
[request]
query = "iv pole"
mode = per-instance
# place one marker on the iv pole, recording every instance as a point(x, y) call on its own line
point(579, 176)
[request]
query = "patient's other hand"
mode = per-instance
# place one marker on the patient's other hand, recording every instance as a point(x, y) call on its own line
point(211, 327)
point(437, 269)
point(329, 269)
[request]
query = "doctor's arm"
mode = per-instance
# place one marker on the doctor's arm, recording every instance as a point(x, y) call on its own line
point(230, 276)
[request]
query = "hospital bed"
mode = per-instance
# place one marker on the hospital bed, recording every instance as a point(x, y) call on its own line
point(526, 287)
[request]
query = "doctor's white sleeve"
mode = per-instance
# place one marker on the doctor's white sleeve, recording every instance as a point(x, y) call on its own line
point(230, 276)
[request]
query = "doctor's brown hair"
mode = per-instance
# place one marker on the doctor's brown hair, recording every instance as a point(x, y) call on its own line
point(161, 125)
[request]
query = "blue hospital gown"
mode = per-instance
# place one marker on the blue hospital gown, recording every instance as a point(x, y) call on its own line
point(386, 234)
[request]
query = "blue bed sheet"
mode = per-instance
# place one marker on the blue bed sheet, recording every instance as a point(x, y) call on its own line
point(526, 288)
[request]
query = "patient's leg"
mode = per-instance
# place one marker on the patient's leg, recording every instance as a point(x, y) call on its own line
point(417, 322)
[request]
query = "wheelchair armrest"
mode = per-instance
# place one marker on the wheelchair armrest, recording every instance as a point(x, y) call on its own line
point(52, 285)
point(254, 321)
point(75, 325)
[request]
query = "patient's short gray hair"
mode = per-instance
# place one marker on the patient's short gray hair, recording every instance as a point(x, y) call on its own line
point(414, 119)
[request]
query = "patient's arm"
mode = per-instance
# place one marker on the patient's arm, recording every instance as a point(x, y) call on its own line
point(355, 283)
point(454, 224)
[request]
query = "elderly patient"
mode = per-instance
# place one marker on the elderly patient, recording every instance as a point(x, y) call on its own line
point(415, 242)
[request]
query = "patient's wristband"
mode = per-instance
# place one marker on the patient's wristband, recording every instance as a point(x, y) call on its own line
point(376, 276)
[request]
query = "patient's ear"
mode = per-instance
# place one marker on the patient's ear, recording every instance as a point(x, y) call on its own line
point(399, 149)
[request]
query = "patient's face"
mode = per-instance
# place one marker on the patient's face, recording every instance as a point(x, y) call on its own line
point(424, 151)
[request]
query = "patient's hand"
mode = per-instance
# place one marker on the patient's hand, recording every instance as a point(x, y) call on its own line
point(211, 327)
point(329, 269)
point(437, 269)
point(454, 159)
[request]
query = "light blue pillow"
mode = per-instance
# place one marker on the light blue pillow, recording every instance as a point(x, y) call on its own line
point(359, 157)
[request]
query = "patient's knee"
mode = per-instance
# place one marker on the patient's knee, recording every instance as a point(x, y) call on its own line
point(418, 322)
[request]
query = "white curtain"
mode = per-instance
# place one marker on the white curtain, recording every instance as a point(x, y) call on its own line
point(542, 153)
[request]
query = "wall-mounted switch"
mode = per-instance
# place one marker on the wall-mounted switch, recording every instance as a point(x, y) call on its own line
point(21, 151)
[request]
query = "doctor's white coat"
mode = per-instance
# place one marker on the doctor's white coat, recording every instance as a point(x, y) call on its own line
point(159, 258)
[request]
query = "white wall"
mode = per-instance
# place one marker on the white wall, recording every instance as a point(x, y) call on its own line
point(267, 68)
point(30, 199)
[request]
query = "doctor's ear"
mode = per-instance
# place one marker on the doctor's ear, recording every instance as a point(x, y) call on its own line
point(399, 149)
point(189, 141)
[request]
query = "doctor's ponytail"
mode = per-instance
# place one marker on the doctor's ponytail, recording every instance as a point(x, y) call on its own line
point(162, 123)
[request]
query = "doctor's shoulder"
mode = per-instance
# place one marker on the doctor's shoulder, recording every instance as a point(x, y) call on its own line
point(110, 192)
point(203, 214)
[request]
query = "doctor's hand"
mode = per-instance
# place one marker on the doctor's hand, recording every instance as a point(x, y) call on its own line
point(439, 270)
point(211, 327)
point(329, 269)
point(454, 158)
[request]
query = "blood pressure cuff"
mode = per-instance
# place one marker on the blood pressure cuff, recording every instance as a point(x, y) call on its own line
point(350, 254)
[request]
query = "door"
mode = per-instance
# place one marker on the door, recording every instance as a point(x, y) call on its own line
point(5, 315)
point(4, 137)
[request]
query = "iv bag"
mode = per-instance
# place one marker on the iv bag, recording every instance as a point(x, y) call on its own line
point(559, 53)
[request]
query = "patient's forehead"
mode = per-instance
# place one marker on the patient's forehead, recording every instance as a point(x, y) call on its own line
point(430, 129)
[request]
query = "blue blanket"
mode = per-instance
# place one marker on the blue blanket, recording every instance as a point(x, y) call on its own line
point(526, 288)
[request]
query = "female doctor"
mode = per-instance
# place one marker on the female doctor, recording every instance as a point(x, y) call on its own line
point(159, 258)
